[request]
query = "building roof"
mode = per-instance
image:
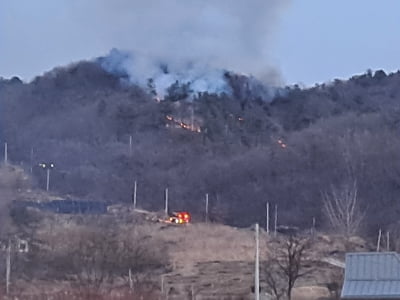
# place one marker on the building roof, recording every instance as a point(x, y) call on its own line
point(372, 275)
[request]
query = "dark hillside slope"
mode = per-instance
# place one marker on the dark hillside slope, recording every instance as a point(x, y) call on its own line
point(241, 150)
point(361, 94)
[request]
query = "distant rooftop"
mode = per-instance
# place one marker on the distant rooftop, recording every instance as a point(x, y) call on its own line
point(372, 275)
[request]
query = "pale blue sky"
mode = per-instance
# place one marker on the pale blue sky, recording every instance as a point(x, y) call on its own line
point(313, 40)
point(319, 40)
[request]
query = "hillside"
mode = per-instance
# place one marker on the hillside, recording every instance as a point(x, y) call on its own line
point(228, 145)
point(90, 257)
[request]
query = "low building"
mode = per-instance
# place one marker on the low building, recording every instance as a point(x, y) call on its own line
point(372, 276)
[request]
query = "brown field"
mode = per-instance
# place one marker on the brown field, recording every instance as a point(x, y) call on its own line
point(207, 261)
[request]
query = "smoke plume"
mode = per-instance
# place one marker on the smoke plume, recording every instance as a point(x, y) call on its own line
point(193, 37)
point(186, 40)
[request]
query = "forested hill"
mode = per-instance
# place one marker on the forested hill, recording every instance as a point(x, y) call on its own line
point(240, 148)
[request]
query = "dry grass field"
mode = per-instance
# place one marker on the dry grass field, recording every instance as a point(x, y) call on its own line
point(198, 243)
point(206, 261)
point(212, 261)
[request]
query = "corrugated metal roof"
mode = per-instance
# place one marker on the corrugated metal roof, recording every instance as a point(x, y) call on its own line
point(365, 289)
point(372, 275)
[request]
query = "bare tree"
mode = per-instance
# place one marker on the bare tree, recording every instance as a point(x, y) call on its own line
point(98, 257)
point(93, 258)
point(12, 182)
point(287, 266)
point(274, 282)
point(342, 208)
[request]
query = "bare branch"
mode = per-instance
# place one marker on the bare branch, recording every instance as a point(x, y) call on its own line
point(342, 208)
point(287, 266)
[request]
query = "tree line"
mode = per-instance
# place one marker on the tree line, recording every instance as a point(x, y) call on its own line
point(103, 135)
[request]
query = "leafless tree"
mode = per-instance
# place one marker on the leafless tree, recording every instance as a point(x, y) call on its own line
point(342, 209)
point(99, 256)
point(274, 282)
point(12, 182)
point(93, 259)
point(286, 266)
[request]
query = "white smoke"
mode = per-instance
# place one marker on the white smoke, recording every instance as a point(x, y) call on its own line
point(207, 35)
point(196, 39)
point(139, 69)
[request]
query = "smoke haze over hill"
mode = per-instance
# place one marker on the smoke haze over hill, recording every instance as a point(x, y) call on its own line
point(222, 34)
point(218, 34)
point(240, 150)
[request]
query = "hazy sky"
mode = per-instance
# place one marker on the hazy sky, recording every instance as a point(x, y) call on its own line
point(319, 40)
point(308, 40)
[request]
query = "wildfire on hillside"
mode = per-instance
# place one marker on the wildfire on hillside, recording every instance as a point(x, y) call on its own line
point(181, 124)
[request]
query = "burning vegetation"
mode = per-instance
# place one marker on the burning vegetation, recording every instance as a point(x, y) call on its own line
point(82, 117)
point(173, 122)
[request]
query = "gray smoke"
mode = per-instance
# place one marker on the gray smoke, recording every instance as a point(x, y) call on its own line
point(195, 40)
point(194, 37)
point(139, 69)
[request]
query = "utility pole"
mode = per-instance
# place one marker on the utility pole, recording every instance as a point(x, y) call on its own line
point(130, 279)
point(162, 283)
point(192, 118)
point(134, 194)
point(388, 241)
point(313, 227)
point(192, 292)
point(378, 244)
point(47, 179)
point(5, 153)
point(130, 145)
point(267, 225)
point(257, 267)
point(276, 219)
point(206, 208)
point(8, 267)
point(166, 201)
point(47, 167)
point(31, 160)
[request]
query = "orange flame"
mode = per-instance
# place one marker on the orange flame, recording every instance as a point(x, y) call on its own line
point(183, 125)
